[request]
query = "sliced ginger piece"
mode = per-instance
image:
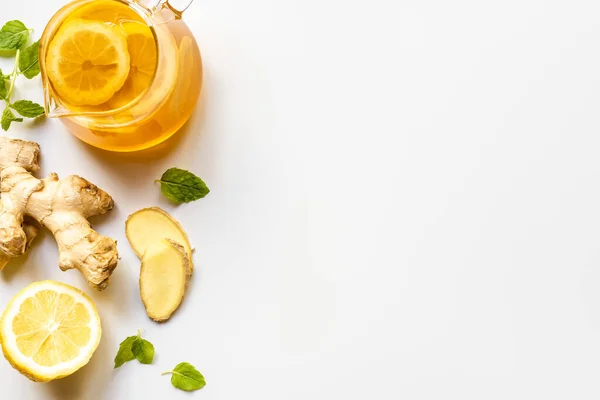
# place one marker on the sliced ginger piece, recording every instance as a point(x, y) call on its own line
point(162, 244)
point(148, 227)
point(164, 278)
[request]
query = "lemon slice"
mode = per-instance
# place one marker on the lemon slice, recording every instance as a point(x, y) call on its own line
point(105, 10)
point(49, 330)
point(143, 58)
point(161, 87)
point(88, 62)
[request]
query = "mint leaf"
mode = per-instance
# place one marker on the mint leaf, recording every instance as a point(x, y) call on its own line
point(124, 354)
point(29, 61)
point(186, 377)
point(13, 35)
point(134, 347)
point(8, 118)
point(28, 108)
point(143, 351)
point(3, 89)
point(182, 186)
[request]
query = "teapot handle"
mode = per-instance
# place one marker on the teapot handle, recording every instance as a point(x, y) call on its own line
point(178, 6)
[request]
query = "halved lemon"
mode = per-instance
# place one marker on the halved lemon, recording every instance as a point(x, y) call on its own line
point(49, 330)
point(88, 62)
point(143, 58)
point(105, 10)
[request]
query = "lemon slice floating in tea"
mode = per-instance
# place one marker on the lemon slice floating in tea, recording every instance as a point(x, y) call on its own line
point(143, 55)
point(49, 330)
point(161, 82)
point(88, 62)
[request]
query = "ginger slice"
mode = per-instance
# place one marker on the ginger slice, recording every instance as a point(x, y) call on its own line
point(164, 278)
point(149, 226)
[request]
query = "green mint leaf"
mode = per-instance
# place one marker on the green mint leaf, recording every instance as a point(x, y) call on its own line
point(29, 61)
point(3, 89)
point(8, 118)
point(182, 186)
point(134, 347)
point(186, 377)
point(15, 27)
point(27, 108)
point(125, 354)
point(13, 35)
point(143, 351)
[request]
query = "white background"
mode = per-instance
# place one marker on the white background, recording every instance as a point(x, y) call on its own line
point(405, 205)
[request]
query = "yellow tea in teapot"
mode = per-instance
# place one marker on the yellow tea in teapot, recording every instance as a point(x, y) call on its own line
point(120, 76)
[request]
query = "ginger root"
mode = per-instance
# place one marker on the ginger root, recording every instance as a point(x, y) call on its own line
point(164, 277)
point(31, 232)
point(16, 152)
point(62, 206)
point(19, 153)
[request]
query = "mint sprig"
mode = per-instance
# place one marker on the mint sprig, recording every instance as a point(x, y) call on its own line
point(135, 348)
point(13, 36)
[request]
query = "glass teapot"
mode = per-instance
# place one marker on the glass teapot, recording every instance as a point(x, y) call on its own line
point(122, 75)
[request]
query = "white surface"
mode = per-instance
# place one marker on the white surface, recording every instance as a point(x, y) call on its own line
point(405, 205)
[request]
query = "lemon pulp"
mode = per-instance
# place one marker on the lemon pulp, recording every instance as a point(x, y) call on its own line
point(143, 58)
